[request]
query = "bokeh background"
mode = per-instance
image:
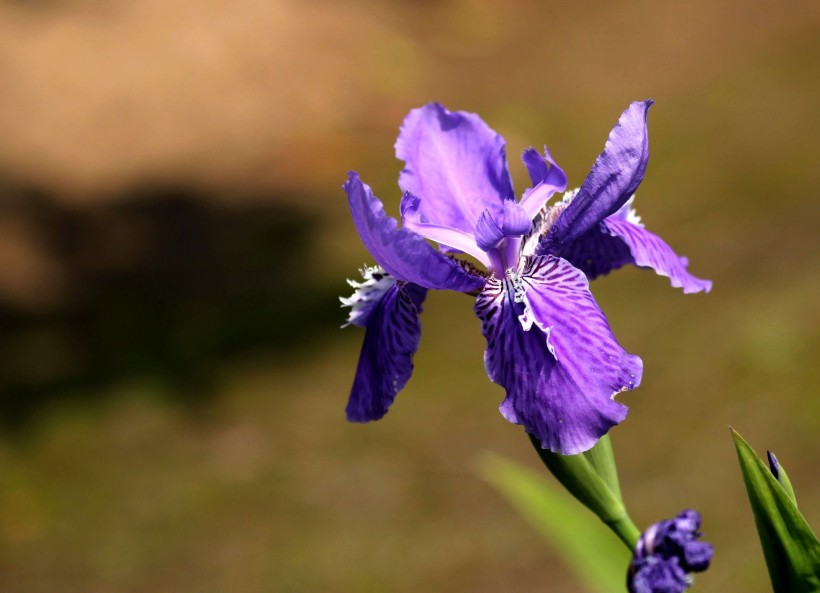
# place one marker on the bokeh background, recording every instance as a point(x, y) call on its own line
point(173, 239)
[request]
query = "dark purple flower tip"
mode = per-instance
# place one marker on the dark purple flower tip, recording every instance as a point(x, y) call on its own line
point(774, 465)
point(667, 550)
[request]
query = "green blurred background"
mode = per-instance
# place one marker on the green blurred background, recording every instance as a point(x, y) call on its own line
point(173, 239)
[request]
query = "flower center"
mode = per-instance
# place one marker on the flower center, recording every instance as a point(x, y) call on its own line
point(499, 234)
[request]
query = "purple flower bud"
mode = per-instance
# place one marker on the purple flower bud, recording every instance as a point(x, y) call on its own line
point(774, 465)
point(666, 553)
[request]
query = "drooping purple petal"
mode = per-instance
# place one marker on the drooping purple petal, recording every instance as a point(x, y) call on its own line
point(455, 164)
point(547, 178)
point(555, 355)
point(403, 253)
point(613, 179)
point(386, 360)
point(649, 250)
point(367, 294)
point(620, 240)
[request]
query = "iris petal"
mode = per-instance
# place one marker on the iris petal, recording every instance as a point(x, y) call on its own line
point(649, 250)
point(597, 252)
point(620, 240)
point(402, 252)
point(491, 229)
point(455, 164)
point(613, 179)
point(488, 234)
point(516, 220)
point(450, 240)
point(551, 348)
point(386, 360)
point(547, 178)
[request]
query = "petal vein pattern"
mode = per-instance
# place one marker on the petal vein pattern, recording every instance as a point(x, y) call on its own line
point(386, 360)
point(551, 348)
point(456, 166)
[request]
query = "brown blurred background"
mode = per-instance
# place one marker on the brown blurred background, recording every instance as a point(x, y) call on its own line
point(173, 239)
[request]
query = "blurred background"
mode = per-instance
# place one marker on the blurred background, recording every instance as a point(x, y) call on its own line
point(173, 239)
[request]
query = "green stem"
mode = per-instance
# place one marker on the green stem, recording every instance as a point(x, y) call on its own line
point(592, 478)
point(625, 529)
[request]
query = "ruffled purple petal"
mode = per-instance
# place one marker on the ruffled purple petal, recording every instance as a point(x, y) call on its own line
point(697, 556)
point(367, 294)
point(455, 164)
point(403, 253)
point(648, 250)
point(550, 347)
point(656, 575)
point(547, 178)
point(386, 360)
point(614, 177)
point(666, 552)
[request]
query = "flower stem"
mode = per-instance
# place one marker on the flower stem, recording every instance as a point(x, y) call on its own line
point(591, 477)
point(625, 529)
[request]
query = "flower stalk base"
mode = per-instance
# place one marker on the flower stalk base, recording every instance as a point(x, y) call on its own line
point(592, 478)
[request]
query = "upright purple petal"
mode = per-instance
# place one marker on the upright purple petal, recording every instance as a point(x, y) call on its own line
point(403, 253)
point(551, 348)
point(516, 220)
point(455, 164)
point(488, 233)
point(491, 228)
point(386, 360)
point(613, 179)
point(649, 250)
point(547, 178)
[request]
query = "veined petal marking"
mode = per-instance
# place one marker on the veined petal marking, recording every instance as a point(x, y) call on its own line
point(550, 347)
point(366, 294)
point(385, 365)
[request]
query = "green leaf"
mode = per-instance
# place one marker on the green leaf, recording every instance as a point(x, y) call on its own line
point(592, 478)
point(790, 547)
point(598, 560)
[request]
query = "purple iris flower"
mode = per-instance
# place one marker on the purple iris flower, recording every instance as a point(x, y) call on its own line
point(667, 553)
point(548, 343)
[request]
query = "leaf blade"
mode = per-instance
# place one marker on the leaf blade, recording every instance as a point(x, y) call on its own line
point(584, 543)
point(790, 547)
